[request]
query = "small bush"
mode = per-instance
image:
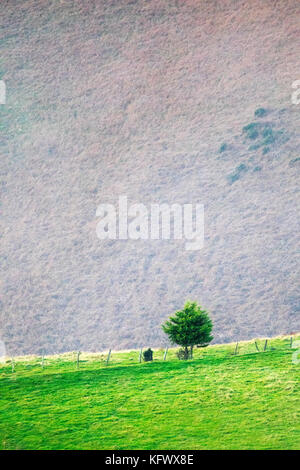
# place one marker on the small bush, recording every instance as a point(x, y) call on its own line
point(148, 355)
point(254, 147)
point(233, 177)
point(251, 130)
point(260, 112)
point(250, 127)
point(265, 150)
point(294, 162)
point(267, 132)
point(242, 168)
point(253, 134)
point(269, 136)
point(269, 140)
point(183, 355)
point(223, 148)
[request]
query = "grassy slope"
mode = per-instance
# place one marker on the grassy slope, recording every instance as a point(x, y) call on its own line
point(216, 401)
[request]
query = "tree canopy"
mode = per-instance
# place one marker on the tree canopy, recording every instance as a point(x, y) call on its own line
point(189, 327)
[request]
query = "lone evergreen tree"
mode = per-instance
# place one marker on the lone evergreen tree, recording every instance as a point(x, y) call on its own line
point(188, 327)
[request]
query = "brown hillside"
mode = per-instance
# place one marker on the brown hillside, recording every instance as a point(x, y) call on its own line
point(125, 97)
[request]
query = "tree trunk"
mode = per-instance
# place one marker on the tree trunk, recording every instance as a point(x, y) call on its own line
point(186, 352)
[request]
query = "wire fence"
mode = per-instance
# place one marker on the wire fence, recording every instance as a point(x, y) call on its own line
point(80, 360)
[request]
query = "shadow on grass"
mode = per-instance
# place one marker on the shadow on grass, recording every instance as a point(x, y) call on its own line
point(66, 378)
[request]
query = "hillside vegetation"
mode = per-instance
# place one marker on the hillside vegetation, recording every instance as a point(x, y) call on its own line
point(215, 401)
point(165, 102)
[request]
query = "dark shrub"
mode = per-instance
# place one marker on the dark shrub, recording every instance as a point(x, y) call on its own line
point(251, 130)
point(148, 355)
point(250, 127)
point(183, 354)
point(254, 147)
point(252, 134)
point(241, 168)
point(233, 177)
point(295, 162)
point(270, 139)
point(223, 148)
point(267, 132)
point(260, 112)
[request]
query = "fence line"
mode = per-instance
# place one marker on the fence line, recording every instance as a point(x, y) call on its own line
point(166, 352)
point(108, 357)
point(234, 353)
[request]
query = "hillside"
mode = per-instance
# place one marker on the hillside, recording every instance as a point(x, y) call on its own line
point(215, 401)
point(155, 100)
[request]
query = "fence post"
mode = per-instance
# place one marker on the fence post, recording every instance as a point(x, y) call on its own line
point(265, 346)
point(43, 359)
point(140, 356)
point(166, 352)
point(78, 354)
point(108, 357)
point(291, 342)
point(256, 346)
point(236, 349)
point(12, 364)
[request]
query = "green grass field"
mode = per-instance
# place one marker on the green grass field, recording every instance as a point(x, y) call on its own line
point(214, 401)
